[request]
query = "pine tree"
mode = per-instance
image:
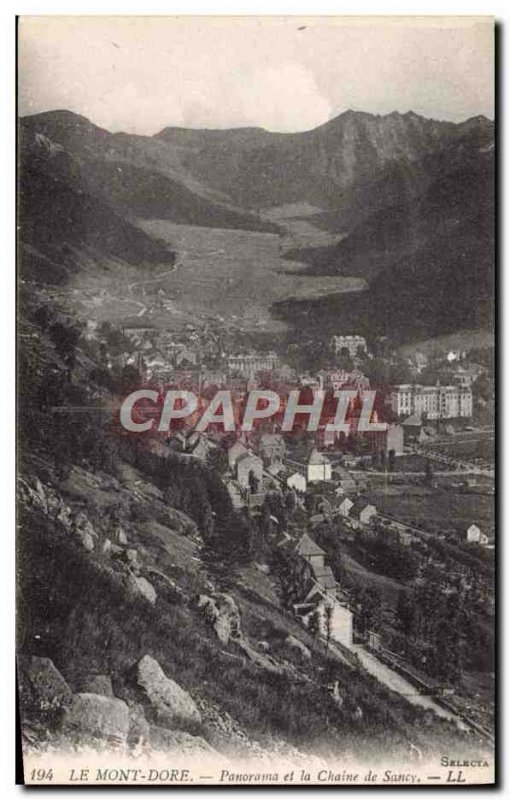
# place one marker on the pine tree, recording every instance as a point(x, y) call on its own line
point(314, 625)
point(328, 623)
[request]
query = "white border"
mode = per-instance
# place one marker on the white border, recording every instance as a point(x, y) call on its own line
point(498, 8)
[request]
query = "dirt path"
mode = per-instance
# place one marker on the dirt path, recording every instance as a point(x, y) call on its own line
point(398, 684)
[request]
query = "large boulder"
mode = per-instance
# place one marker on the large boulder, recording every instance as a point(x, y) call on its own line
point(94, 715)
point(41, 685)
point(177, 742)
point(170, 703)
point(167, 588)
point(120, 535)
point(84, 531)
point(300, 648)
point(85, 539)
point(141, 586)
point(65, 516)
point(222, 613)
point(131, 556)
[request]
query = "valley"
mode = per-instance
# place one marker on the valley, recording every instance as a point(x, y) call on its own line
point(232, 276)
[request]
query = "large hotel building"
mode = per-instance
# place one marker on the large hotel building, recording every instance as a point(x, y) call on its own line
point(435, 402)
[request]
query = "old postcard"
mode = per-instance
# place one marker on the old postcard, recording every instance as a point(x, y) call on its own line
point(256, 539)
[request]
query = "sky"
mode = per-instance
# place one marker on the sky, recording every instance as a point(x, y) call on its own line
point(141, 74)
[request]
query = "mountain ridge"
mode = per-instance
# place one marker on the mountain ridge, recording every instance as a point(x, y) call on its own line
point(398, 189)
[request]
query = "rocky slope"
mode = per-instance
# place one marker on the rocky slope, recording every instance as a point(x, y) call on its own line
point(137, 176)
point(139, 628)
point(354, 163)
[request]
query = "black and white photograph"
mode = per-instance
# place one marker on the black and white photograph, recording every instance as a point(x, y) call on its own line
point(255, 361)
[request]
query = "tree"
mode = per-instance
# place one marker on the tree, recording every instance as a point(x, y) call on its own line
point(406, 613)
point(400, 372)
point(217, 460)
point(328, 623)
point(65, 339)
point(314, 624)
point(294, 575)
point(290, 501)
point(129, 378)
point(391, 460)
point(228, 549)
point(369, 610)
point(253, 481)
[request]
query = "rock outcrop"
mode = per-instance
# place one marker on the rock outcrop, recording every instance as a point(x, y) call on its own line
point(170, 704)
point(41, 685)
point(222, 613)
point(96, 716)
point(51, 504)
point(144, 588)
point(298, 647)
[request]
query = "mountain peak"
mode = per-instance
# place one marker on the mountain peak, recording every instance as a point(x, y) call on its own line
point(59, 115)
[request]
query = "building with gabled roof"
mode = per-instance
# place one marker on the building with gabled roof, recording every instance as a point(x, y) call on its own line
point(297, 481)
point(362, 511)
point(310, 551)
point(247, 464)
point(272, 447)
point(344, 507)
point(315, 465)
point(235, 452)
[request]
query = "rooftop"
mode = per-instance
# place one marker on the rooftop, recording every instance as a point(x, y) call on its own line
point(307, 547)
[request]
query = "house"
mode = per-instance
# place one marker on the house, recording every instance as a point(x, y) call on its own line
point(363, 512)
point(235, 452)
point(199, 446)
point(475, 535)
point(345, 506)
point(235, 495)
point(321, 593)
point(318, 467)
point(325, 578)
point(322, 574)
point(325, 437)
point(297, 481)
point(412, 426)
point(272, 448)
point(406, 539)
point(436, 402)
point(341, 616)
point(345, 482)
point(275, 469)
point(311, 551)
point(352, 344)
point(314, 465)
point(374, 641)
point(255, 500)
point(246, 465)
point(186, 357)
point(250, 363)
point(418, 362)
point(395, 440)
point(391, 439)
